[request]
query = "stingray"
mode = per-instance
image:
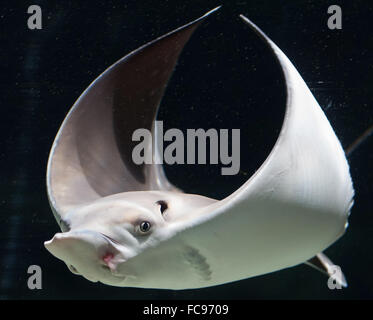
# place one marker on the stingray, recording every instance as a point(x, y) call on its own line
point(126, 225)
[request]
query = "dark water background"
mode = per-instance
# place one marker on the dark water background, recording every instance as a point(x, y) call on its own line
point(226, 78)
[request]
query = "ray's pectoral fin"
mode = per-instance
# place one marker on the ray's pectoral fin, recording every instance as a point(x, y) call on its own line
point(92, 153)
point(294, 206)
point(322, 263)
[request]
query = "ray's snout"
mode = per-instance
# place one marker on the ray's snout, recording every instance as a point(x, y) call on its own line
point(71, 246)
point(86, 252)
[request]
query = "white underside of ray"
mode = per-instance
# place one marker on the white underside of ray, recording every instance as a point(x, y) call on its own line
point(293, 207)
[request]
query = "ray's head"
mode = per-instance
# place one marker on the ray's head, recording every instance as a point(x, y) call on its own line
point(105, 234)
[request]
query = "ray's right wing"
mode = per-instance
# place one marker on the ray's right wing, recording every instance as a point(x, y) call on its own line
point(292, 208)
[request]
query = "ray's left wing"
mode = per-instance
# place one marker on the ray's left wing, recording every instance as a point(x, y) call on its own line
point(91, 156)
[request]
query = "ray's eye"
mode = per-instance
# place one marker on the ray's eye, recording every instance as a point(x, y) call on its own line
point(145, 226)
point(163, 205)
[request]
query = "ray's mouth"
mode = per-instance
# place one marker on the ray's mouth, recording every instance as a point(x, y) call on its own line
point(109, 257)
